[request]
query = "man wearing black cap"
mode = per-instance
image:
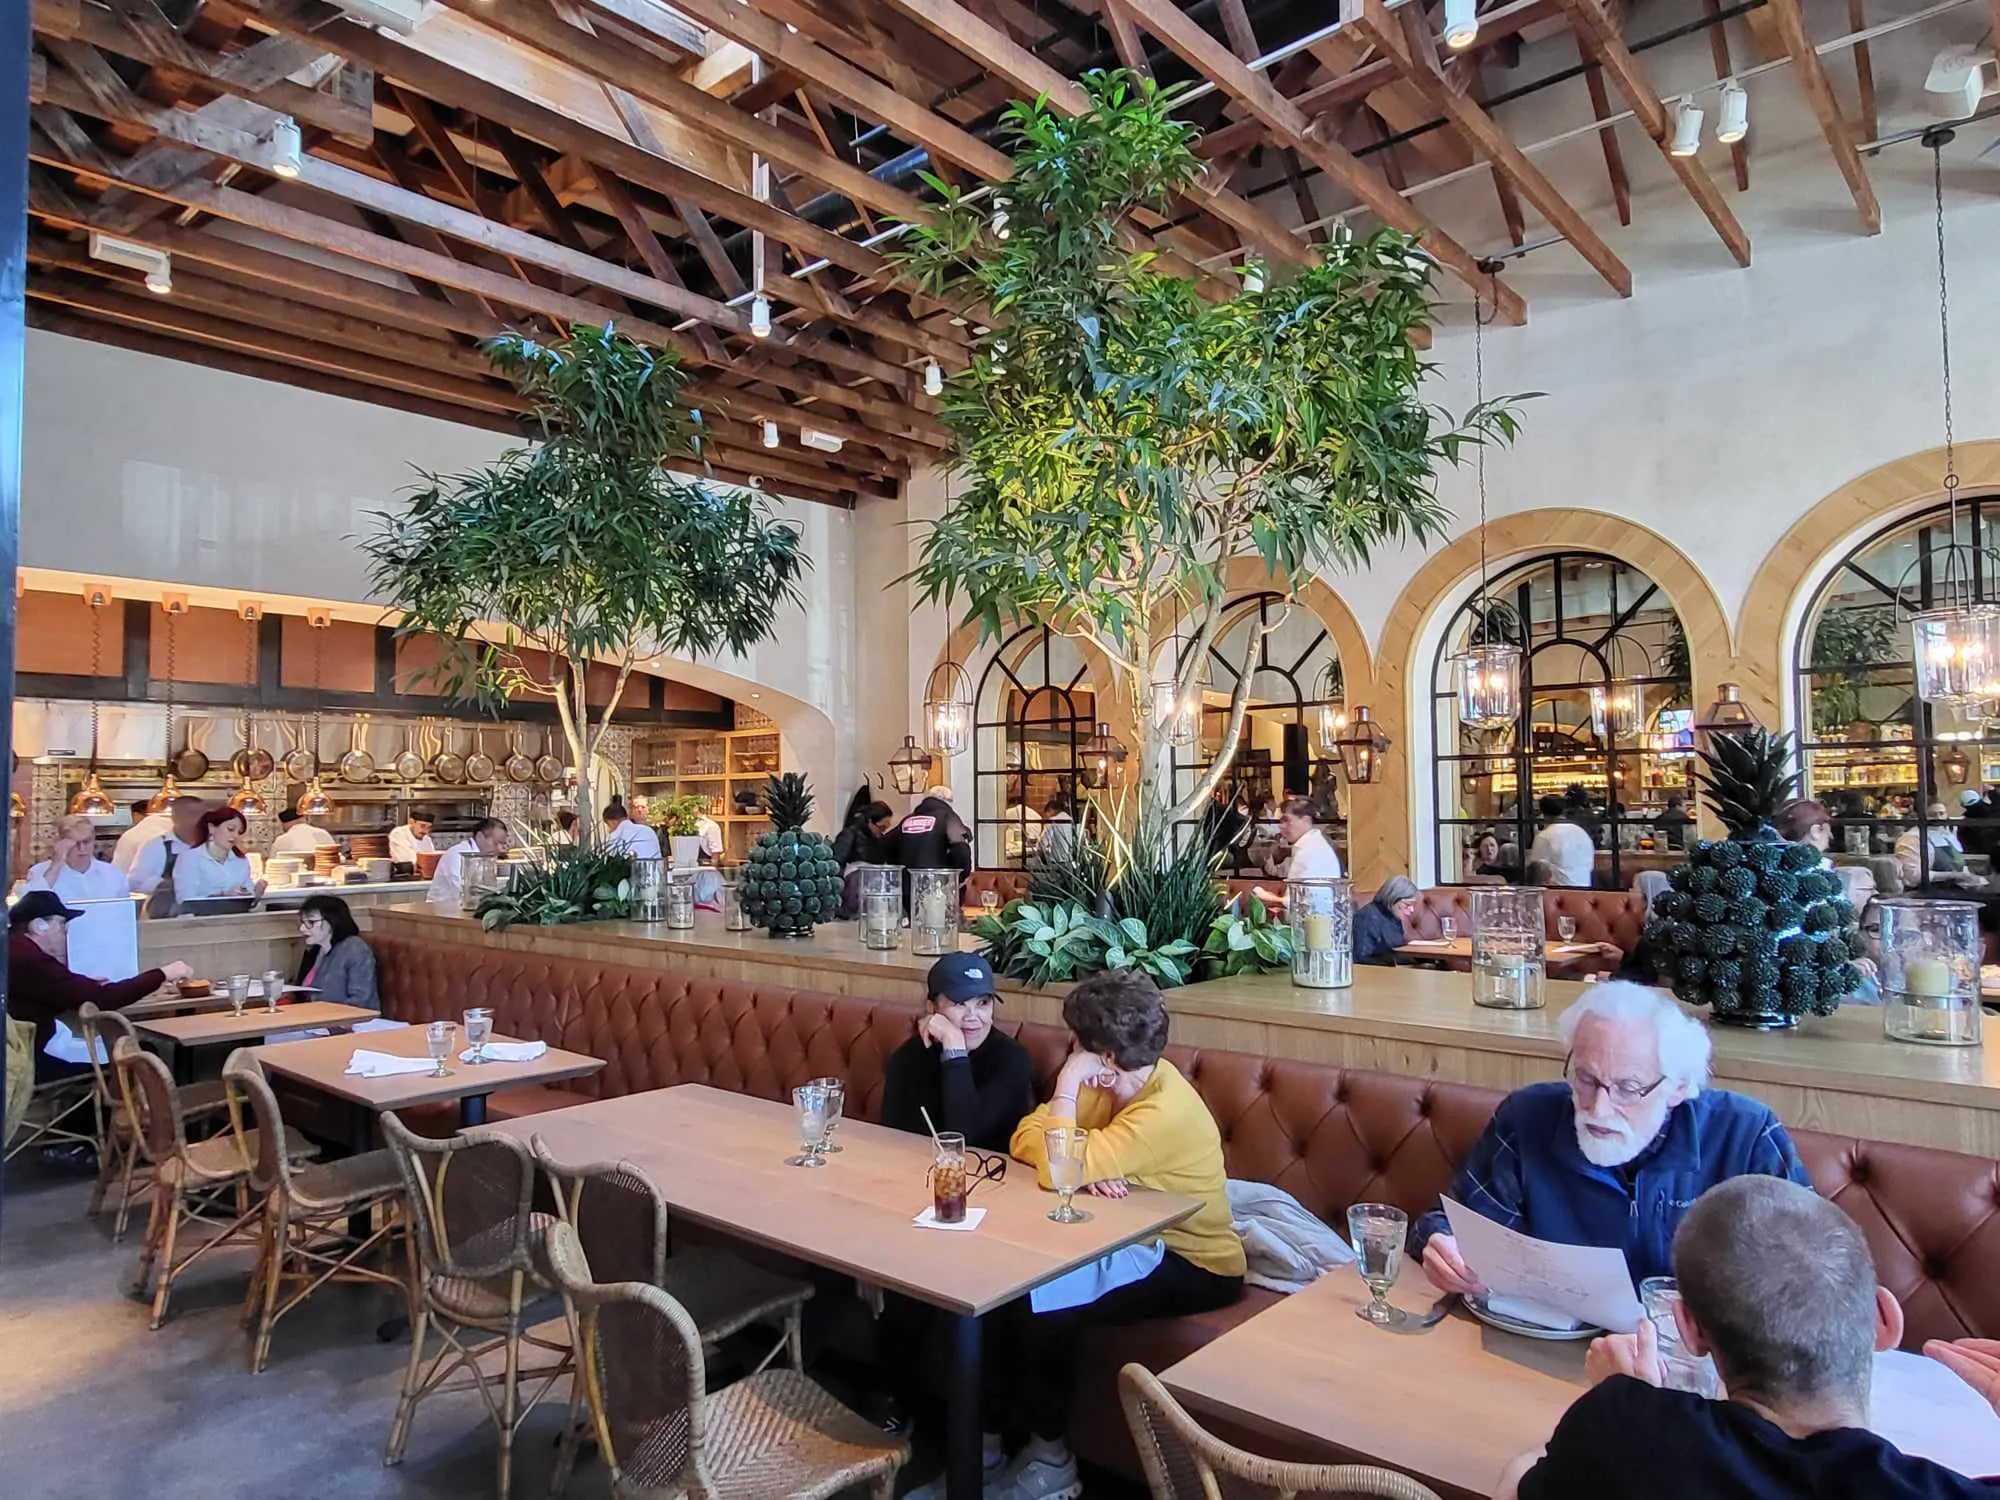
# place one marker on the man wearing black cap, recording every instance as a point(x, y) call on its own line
point(972, 1079)
point(41, 985)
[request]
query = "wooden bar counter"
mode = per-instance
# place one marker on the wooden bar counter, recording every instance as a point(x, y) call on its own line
point(1834, 1074)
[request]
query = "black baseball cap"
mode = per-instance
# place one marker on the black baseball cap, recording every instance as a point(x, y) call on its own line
point(38, 904)
point(289, 816)
point(959, 977)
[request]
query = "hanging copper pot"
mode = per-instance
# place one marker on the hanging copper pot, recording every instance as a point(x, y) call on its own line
point(479, 765)
point(357, 766)
point(548, 765)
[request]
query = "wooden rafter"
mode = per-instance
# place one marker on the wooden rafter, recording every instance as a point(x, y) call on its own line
point(1718, 51)
point(1826, 108)
point(1607, 138)
point(1602, 40)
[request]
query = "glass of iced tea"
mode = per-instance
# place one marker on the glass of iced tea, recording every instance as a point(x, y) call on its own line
point(950, 1183)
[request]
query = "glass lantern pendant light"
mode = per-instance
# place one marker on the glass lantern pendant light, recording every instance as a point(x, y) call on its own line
point(1177, 710)
point(1330, 714)
point(1099, 758)
point(90, 800)
point(1957, 641)
point(1488, 670)
point(1362, 748)
point(948, 709)
point(910, 767)
point(1615, 710)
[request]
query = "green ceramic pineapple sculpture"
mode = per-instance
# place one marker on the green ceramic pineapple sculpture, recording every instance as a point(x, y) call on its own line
point(1754, 928)
point(792, 881)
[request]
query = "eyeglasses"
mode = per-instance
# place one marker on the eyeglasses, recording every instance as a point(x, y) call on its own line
point(1587, 1085)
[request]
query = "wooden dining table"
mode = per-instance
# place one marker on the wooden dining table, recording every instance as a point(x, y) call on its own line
point(192, 1033)
point(718, 1158)
point(1451, 1405)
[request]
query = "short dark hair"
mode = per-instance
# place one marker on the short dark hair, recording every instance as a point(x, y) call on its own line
point(1300, 807)
point(1538, 872)
point(1121, 1014)
point(422, 815)
point(1782, 1284)
point(215, 817)
point(1798, 818)
point(565, 818)
point(142, 809)
point(335, 911)
point(289, 816)
point(487, 825)
point(877, 811)
point(1550, 807)
point(615, 808)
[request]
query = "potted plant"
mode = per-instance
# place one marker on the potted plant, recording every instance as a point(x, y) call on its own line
point(679, 818)
point(1123, 436)
point(583, 550)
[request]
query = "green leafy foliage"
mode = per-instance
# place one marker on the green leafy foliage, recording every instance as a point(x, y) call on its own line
point(1848, 640)
point(1122, 436)
point(792, 881)
point(1052, 944)
point(1747, 777)
point(582, 548)
point(1127, 946)
point(1172, 890)
point(1247, 941)
point(678, 817)
point(565, 883)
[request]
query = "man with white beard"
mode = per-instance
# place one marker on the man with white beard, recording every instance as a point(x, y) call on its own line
point(1617, 1153)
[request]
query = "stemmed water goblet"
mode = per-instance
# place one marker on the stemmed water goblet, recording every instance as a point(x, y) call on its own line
point(1377, 1232)
point(1065, 1145)
point(437, 1036)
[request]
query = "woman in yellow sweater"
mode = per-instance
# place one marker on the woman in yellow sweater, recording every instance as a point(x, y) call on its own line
point(1148, 1128)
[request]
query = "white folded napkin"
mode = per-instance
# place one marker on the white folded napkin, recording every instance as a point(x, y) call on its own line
point(1428, 943)
point(1523, 1310)
point(310, 1032)
point(366, 1064)
point(509, 1052)
point(379, 1025)
point(928, 1220)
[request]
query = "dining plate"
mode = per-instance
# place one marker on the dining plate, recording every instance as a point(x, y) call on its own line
point(1476, 1305)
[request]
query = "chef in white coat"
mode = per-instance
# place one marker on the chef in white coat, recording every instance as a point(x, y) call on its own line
point(73, 870)
point(489, 837)
point(300, 835)
point(409, 839)
point(624, 836)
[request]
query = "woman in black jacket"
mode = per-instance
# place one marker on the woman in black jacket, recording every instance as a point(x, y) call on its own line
point(864, 841)
point(974, 1080)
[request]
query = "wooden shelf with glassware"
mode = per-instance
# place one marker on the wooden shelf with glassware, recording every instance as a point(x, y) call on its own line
point(727, 767)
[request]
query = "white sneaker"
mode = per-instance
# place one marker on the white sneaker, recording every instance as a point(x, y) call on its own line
point(1037, 1478)
point(991, 1487)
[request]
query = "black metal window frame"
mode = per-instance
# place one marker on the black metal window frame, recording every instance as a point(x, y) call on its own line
point(1921, 587)
point(1520, 755)
point(989, 783)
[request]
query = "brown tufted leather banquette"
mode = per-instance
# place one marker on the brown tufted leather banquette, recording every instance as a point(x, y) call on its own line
point(1331, 1137)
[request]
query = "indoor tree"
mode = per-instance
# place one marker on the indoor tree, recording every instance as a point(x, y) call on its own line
point(583, 549)
point(1123, 432)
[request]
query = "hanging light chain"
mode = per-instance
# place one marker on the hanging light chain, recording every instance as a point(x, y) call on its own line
point(1955, 580)
point(173, 671)
point(96, 668)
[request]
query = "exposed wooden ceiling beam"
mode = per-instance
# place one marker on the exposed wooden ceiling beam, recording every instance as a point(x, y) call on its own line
point(1819, 94)
point(1607, 139)
point(1283, 118)
point(1602, 40)
point(1125, 38)
point(1372, 20)
point(1718, 51)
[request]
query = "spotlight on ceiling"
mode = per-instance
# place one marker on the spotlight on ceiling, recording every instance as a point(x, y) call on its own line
point(770, 433)
point(933, 378)
point(1732, 119)
point(826, 442)
point(1687, 128)
point(760, 316)
point(287, 147)
point(1000, 230)
point(1461, 24)
point(157, 265)
point(1957, 81)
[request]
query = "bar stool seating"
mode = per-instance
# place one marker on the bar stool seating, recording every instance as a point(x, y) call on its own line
point(775, 1435)
point(1184, 1462)
point(307, 1210)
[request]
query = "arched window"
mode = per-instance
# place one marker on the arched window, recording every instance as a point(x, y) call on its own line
point(1035, 708)
point(1294, 669)
point(1605, 723)
point(1882, 761)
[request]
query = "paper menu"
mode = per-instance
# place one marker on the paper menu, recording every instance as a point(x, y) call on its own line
point(1586, 1282)
point(1928, 1412)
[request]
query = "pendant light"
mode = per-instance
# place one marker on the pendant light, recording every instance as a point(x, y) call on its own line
point(910, 767)
point(1330, 713)
point(1728, 715)
point(1617, 707)
point(1957, 642)
point(1174, 708)
point(1488, 670)
point(1099, 758)
point(314, 802)
point(172, 606)
point(90, 800)
point(1362, 748)
point(948, 709)
point(247, 799)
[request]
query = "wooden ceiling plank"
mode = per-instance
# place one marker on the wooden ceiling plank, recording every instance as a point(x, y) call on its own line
point(1603, 41)
point(1285, 121)
point(1125, 38)
point(1811, 73)
point(1371, 19)
point(1607, 138)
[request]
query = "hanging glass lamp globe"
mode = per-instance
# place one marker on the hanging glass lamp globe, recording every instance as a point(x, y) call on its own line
point(1362, 748)
point(1957, 654)
point(910, 767)
point(1617, 710)
point(1099, 757)
point(1330, 712)
point(1489, 685)
point(948, 709)
point(1178, 711)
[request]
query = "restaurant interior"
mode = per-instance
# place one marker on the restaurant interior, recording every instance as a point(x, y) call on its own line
point(787, 748)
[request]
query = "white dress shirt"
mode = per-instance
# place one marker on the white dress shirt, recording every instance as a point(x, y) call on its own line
point(710, 833)
point(1313, 858)
point(1568, 850)
point(199, 874)
point(148, 830)
point(301, 838)
point(634, 840)
point(445, 884)
point(405, 846)
point(151, 863)
point(99, 881)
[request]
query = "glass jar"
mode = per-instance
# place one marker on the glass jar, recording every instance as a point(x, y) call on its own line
point(1321, 913)
point(878, 890)
point(734, 917)
point(649, 897)
point(933, 912)
point(679, 896)
point(478, 878)
point(1930, 971)
point(1509, 947)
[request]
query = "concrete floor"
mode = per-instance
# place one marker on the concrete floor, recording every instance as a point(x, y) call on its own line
point(94, 1406)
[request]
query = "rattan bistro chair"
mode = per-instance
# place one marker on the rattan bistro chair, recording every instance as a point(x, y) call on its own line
point(307, 1211)
point(1183, 1462)
point(774, 1435)
point(206, 1183)
point(620, 1220)
point(118, 1157)
point(481, 1278)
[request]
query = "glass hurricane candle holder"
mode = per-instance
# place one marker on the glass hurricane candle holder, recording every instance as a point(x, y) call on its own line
point(1509, 947)
point(478, 878)
point(1930, 971)
point(679, 898)
point(933, 912)
point(1321, 914)
point(880, 904)
point(649, 890)
point(734, 917)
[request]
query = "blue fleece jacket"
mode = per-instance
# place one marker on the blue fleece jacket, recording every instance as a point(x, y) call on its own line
point(1527, 1172)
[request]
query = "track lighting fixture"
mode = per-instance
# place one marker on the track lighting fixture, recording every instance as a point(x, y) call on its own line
point(1687, 128)
point(760, 316)
point(160, 280)
point(1000, 230)
point(1461, 24)
point(770, 433)
point(933, 378)
point(1732, 118)
point(287, 147)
